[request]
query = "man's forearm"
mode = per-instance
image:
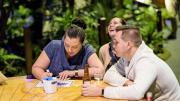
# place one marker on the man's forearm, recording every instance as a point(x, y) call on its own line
point(38, 72)
point(114, 78)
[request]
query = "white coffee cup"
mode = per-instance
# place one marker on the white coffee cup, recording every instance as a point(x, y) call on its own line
point(50, 85)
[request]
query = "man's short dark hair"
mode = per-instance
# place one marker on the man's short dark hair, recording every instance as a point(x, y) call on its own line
point(74, 31)
point(130, 33)
point(79, 22)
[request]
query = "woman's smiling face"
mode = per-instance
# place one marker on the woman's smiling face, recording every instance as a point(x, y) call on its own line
point(112, 26)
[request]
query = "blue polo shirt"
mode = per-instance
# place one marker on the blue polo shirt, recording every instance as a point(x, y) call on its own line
point(58, 62)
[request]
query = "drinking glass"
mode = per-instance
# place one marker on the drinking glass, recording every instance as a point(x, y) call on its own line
point(97, 76)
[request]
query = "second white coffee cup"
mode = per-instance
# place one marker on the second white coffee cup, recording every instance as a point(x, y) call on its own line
point(50, 85)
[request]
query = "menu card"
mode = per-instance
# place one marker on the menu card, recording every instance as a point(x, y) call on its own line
point(60, 83)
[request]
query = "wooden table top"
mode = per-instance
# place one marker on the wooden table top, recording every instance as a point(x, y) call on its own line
point(21, 89)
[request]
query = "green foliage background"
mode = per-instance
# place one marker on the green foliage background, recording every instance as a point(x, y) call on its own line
point(56, 18)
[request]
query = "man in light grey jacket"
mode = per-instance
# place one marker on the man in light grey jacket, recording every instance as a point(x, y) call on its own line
point(144, 69)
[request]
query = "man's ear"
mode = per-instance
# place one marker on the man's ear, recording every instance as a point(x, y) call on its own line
point(129, 44)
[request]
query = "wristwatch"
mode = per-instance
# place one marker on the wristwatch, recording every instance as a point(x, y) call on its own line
point(76, 73)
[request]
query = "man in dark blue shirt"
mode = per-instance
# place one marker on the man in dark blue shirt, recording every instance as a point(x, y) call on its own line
point(67, 57)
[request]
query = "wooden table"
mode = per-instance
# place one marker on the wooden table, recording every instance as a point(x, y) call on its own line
point(21, 89)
